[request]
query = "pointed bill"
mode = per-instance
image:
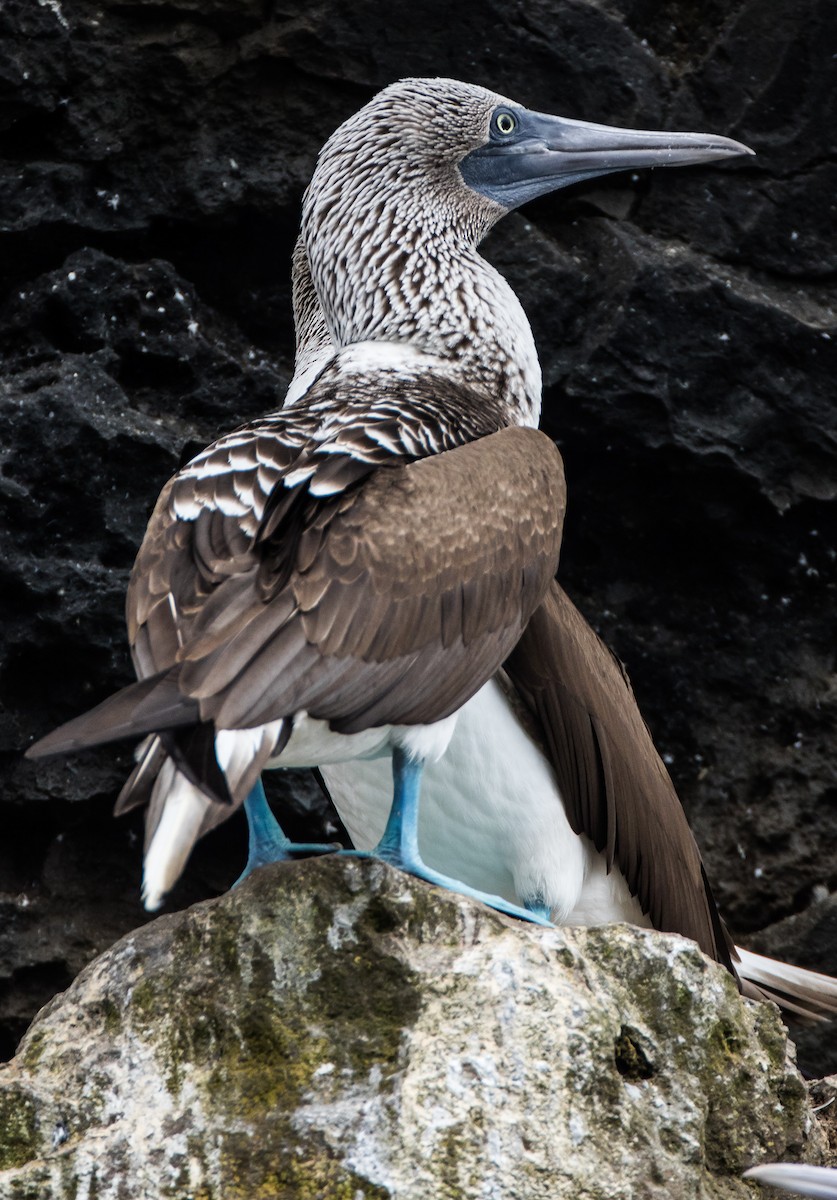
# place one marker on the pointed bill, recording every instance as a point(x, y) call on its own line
point(529, 154)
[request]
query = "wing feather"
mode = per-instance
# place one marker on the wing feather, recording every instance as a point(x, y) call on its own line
point(390, 612)
point(614, 785)
point(365, 587)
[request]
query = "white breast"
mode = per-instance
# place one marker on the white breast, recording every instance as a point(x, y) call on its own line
point(491, 815)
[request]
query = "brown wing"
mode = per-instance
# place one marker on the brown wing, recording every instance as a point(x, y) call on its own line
point(405, 593)
point(400, 596)
point(254, 484)
point(613, 782)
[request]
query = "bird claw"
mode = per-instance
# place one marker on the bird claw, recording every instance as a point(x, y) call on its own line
point(284, 850)
point(414, 866)
point(268, 842)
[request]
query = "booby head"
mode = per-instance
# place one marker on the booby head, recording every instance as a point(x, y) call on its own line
point(475, 155)
point(404, 191)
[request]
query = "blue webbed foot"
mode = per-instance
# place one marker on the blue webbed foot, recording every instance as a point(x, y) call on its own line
point(267, 841)
point(413, 865)
point(399, 844)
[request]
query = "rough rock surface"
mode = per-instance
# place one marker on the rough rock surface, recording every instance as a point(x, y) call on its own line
point(152, 160)
point(338, 1029)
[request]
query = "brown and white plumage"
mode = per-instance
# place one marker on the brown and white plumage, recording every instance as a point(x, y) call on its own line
point(260, 605)
point(614, 786)
point(575, 786)
point(311, 574)
point(592, 762)
point(273, 587)
point(245, 605)
point(573, 807)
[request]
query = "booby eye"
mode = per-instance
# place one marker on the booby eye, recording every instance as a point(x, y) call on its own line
point(504, 122)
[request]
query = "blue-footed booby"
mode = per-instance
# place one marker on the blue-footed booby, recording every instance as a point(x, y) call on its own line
point(332, 583)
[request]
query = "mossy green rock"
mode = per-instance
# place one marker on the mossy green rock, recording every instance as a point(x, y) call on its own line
point(335, 1030)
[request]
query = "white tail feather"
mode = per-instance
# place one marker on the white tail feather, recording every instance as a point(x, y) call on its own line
point(179, 813)
point(807, 993)
point(819, 1182)
point(183, 812)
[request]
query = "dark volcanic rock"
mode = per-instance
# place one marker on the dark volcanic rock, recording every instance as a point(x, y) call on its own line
point(152, 162)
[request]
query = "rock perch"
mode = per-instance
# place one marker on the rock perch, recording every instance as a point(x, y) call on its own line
point(338, 1029)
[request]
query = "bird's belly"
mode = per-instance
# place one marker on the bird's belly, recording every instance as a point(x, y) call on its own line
point(491, 814)
point(605, 897)
point(312, 743)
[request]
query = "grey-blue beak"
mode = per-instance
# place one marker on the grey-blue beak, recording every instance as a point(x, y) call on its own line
point(529, 154)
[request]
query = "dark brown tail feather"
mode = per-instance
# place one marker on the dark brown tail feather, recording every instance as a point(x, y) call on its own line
point(136, 791)
point(148, 706)
point(193, 752)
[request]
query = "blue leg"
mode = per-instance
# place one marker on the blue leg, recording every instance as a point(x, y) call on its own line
point(267, 842)
point(399, 844)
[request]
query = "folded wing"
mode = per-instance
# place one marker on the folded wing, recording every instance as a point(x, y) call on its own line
point(614, 785)
point(387, 599)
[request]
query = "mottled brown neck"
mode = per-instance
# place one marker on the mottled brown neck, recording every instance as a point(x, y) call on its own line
point(393, 257)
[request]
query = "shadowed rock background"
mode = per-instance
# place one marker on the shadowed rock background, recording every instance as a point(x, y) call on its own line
point(152, 162)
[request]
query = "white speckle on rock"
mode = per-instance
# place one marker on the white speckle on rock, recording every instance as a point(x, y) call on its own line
point(54, 7)
point(577, 1129)
point(341, 931)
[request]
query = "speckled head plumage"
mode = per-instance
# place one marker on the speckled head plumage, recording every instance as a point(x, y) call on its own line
point(404, 191)
point(412, 137)
point(391, 228)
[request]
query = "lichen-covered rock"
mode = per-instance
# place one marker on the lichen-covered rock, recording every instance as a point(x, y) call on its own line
point(338, 1030)
point(823, 1093)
